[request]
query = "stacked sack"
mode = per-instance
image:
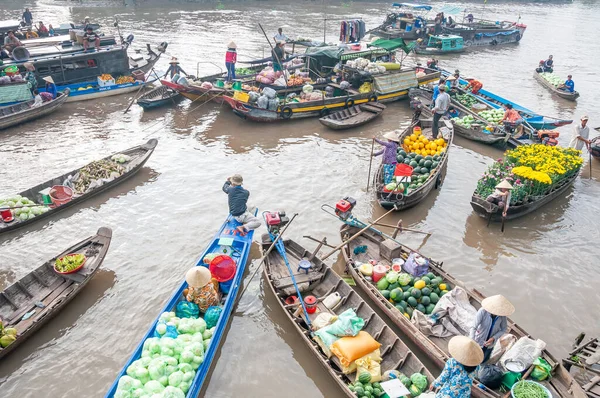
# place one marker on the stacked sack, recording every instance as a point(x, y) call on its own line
point(268, 99)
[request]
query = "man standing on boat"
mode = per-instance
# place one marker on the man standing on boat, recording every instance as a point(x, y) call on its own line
point(442, 103)
point(238, 208)
point(174, 69)
point(27, 17)
point(436, 90)
point(549, 65)
point(580, 135)
point(278, 54)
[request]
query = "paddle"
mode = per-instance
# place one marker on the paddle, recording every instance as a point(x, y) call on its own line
point(356, 235)
point(590, 161)
point(262, 260)
point(370, 163)
point(502, 227)
point(399, 226)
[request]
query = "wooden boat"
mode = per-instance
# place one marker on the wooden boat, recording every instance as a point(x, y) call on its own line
point(476, 132)
point(33, 300)
point(595, 147)
point(492, 212)
point(23, 112)
point(561, 384)
point(240, 246)
point(320, 282)
point(138, 157)
point(571, 96)
point(403, 201)
point(581, 357)
point(355, 116)
point(490, 34)
point(592, 388)
point(441, 45)
point(90, 90)
point(157, 97)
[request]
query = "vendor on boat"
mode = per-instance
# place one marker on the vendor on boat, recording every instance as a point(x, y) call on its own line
point(30, 34)
point(512, 120)
point(442, 104)
point(27, 17)
point(436, 90)
point(230, 60)
point(238, 208)
point(580, 135)
point(90, 36)
point(490, 323)
point(549, 64)
point(201, 289)
point(474, 85)
point(501, 196)
point(42, 30)
point(456, 378)
point(51, 31)
point(174, 69)
point(280, 36)
point(30, 75)
point(568, 85)
point(278, 55)
point(452, 112)
point(11, 42)
point(470, 18)
point(389, 152)
point(50, 86)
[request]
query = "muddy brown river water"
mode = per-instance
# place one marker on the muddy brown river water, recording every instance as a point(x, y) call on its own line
point(546, 263)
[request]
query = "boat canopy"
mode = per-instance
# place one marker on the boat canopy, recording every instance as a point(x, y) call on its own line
point(393, 44)
point(413, 6)
point(451, 10)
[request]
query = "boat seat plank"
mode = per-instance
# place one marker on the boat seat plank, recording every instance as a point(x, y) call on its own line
point(38, 279)
point(31, 303)
point(23, 288)
point(9, 301)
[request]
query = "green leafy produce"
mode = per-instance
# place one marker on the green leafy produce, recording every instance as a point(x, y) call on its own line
point(69, 263)
point(406, 381)
point(392, 276)
point(419, 380)
point(382, 284)
point(528, 389)
point(404, 279)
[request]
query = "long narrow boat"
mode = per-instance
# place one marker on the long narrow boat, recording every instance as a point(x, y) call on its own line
point(157, 97)
point(401, 200)
point(494, 101)
point(138, 155)
point(90, 90)
point(356, 116)
point(478, 35)
point(595, 148)
point(475, 133)
point(320, 282)
point(239, 248)
point(33, 300)
point(22, 112)
point(492, 212)
point(561, 384)
point(571, 96)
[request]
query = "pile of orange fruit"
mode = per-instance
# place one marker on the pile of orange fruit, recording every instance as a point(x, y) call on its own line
point(106, 77)
point(421, 145)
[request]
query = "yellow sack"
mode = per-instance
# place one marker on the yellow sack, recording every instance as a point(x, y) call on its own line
point(349, 349)
point(367, 364)
point(375, 356)
point(389, 65)
point(365, 88)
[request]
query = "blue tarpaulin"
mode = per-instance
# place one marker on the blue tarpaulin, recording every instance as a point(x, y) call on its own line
point(413, 6)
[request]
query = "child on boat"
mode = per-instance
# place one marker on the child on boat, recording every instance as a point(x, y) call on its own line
point(238, 208)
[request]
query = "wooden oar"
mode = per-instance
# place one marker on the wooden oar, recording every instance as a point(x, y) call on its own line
point(502, 227)
point(262, 260)
point(590, 161)
point(370, 163)
point(399, 226)
point(356, 235)
point(136, 94)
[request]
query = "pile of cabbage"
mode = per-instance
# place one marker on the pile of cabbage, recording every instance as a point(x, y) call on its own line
point(465, 121)
point(552, 79)
point(366, 65)
point(493, 115)
point(23, 213)
point(168, 364)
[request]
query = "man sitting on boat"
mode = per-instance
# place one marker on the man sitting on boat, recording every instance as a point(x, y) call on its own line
point(11, 42)
point(30, 34)
point(474, 85)
point(42, 30)
point(512, 120)
point(491, 323)
point(90, 36)
point(389, 153)
point(501, 196)
point(568, 85)
point(442, 104)
point(238, 208)
point(548, 65)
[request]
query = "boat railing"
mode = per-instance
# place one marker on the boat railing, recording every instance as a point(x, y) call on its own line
point(206, 62)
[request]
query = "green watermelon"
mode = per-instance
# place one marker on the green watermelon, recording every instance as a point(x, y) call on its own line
point(439, 279)
point(425, 300)
point(393, 286)
point(428, 164)
point(351, 387)
point(403, 304)
point(406, 295)
point(364, 378)
point(443, 292)
point(402, 152)
point(429, 309)
point(435, 164)
point(414, 391)
point(405, 288)
point(382, 284)
point(426, 280)
point(421, 308)
point(422, 162)
point(430, 275)
point(418, 158)
point(396, 295)
point(436, 158)
point(412, 155)
point(413, 164)
point(437, 291)
point(416, 293)
point(412, 301)
point(407, 160)
point(400, 159)
point(428, 157)
point(406, 381)
point(369, 388)
point(409, 311)
point(434, 298)
point(434, 283)
point(376, 385)
point(424, 170)
point(399, 307)
point(385, 293)
point(426, 291)
point(377, 391)
point(359, 391)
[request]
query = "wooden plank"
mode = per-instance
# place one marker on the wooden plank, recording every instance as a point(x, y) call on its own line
point(37, 278)
point(12, 303)
point(50, 302)
point(23, 288)
point(284, 282)
point(19, 312)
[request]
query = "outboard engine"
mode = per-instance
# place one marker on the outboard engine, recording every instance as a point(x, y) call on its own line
point(275, 221)
point(343, 208)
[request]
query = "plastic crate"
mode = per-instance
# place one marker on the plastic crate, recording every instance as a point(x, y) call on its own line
point(106, 83)
point(240, 96)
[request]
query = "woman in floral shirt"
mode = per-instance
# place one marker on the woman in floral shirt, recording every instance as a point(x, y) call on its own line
point(457, 377)
point(201, 290)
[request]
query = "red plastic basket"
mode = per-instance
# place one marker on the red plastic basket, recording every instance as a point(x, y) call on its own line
point(60, 194)
point(222, 268)
point(403, 170)
point(73, 271)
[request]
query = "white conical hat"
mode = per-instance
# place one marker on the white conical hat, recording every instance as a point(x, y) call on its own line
point(498, 305)
point(232, 44)
point(198, 276)
point(49, 79)
point(392, 136)
point(504, 184)
point(465, 350)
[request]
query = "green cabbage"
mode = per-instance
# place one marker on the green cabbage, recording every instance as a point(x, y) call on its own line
point(404, 279)
point(392, 276)
point(419, 380)
point(173, 392)
point(153, 387)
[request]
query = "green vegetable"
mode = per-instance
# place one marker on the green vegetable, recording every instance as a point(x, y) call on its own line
point(419, 380)
point(392, 276)
point(383, 284)
point(528, 389)
point(403, 279)
point(406, 381)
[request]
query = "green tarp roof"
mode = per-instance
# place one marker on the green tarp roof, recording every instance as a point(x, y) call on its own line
point(393, 44)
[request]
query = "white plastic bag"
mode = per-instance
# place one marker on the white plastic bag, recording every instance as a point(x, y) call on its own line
point(269, 92)
point(525, 351)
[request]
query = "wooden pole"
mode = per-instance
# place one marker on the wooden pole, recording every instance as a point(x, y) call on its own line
point(275, 54)
point(400, 227)
point(370, 163)
point(590, 161)
point(356, 235)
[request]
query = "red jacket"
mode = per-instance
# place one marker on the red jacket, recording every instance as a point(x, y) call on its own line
point(231, 56)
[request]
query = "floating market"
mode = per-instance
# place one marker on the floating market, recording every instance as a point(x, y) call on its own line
point(427, 257)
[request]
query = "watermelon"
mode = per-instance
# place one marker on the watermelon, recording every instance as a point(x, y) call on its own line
point(397, 268)
point(413, 164)
point(382, 284)
point(364, 377)
point(393, 286)
point(430, 275)
point(418, 158)
point(435, 164)
point(422, 162)
point(409, 311)
point(412, 301)
point(428, 164)
point(421, 308)
point(416, 293)
point(400, 159)
point(385, 293)
point(406, 381)
point(434, 298)
point(376, 385)
point(428, 157)
point(377, 391)
point(414, 391)
point(403, 304)
point(351, 387)
point(405, 288)
point(399, 307)
point(359, 391)
point(412, 155)
point(407, 160)
point(443, 292)
point(439, 279)
point(437, 291)
point(406, 295)
point(396, 295)
point(369, 389)
point(434, 283)
point(424, 170)
point(403, 278)
point(426, 280)
point(426, 291)
point(425, 300)
point(429, 309)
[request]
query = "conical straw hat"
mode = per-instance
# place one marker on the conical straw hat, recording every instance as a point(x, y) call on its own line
point(392, 136)
point(198, 276)
point(49, 79)
point(504, 184)
point(498, 305)
point(465, 350)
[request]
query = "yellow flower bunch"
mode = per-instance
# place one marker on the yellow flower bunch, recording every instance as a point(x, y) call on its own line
point(552, 160)
point(530, 174)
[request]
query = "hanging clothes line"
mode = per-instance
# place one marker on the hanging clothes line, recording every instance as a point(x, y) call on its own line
point(352, 31)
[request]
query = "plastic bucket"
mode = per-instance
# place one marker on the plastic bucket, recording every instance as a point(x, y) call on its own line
point(225, 286)
point(60, 194)
point(403, 170)
point(237, 86)
point(20, 54)
point(311, 304)
point(222, 268)
point(219, 83)
point(379, 272)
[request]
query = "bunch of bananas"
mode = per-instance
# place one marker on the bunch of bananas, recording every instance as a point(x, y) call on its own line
point(69, 262)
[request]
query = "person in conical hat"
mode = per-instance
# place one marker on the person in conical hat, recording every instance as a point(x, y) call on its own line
point(230, 60)
point(501, 196)
point(389, 155)
point(174, 69)
point(491, 323)
point(201, 290)
point(457, 377)
point(50, 86)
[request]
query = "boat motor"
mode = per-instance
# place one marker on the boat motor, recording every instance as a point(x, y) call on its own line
point(275, 221)
point(343, 208)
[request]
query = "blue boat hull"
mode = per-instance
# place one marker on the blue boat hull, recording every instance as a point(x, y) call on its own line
point(157, 103)
point(240, 243)
point(81, 92)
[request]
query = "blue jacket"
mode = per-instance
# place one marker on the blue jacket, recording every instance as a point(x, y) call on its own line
point(51, 88)
point(237, 198)
point(483, 323)
point(570, 84)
